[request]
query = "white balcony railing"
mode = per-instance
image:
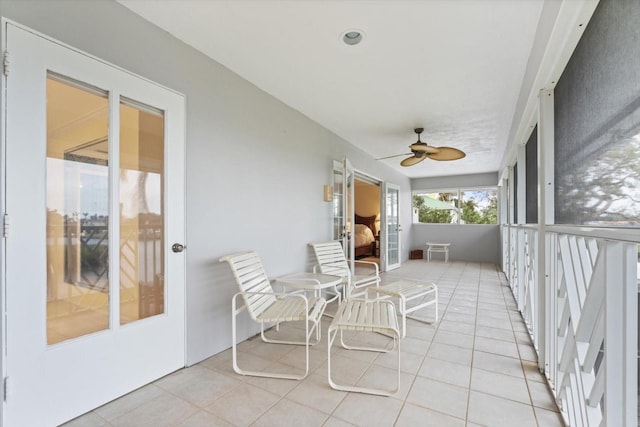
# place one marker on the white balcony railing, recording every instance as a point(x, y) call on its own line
point(587, 339)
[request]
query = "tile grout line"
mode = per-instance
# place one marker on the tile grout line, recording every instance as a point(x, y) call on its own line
point(473, 350)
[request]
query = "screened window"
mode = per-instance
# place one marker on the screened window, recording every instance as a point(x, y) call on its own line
point(597, 124)
point(457, 206)
point(531, 184)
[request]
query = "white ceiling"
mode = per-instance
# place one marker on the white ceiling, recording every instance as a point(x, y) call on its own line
point(454, 67)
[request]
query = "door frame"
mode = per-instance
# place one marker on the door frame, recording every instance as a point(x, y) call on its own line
point(342, 166)
point(3, 270)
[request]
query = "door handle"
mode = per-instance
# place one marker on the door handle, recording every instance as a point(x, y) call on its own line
point(177, 247)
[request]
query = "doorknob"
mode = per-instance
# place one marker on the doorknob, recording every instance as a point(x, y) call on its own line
point(177, 247)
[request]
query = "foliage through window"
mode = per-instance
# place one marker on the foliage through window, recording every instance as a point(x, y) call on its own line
point(459, 206)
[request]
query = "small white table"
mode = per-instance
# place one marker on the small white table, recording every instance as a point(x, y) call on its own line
point(315, 282)
point(438, 247)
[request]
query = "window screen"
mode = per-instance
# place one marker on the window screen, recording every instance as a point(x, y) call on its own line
point(597, 123)
point(531, 153)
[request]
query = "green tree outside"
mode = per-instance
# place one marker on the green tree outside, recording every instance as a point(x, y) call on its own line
point(471, 211)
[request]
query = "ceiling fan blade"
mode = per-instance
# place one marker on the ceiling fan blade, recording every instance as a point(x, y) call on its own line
point(447, 153)
point(413, 160)
point(423, 148)
point(395, 155)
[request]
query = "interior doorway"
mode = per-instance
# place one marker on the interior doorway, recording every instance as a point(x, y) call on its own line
point(367, 211)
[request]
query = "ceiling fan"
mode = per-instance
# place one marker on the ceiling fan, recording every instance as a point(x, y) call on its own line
point(421, 150)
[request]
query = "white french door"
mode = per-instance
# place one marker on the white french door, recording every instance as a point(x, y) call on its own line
point(349, 203)
point(95, 199)
point(391, 221)
point(343, 207)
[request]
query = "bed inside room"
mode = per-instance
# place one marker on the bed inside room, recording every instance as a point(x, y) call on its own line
point(364, 235)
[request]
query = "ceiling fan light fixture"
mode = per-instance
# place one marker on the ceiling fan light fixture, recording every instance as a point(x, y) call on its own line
point(421, 150)
point(423, 147)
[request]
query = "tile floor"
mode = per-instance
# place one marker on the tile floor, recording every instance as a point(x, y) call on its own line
point(474, 367)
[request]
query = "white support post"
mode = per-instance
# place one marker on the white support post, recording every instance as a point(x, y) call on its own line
point(620, 344)
point(521, 202)
point(511, 220)
point(504, 221)
point(630, 311)
point(551, 309)
point(545, 215)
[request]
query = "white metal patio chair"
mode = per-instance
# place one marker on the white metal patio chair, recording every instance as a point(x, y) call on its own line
point(268, 307)
point(330, 259)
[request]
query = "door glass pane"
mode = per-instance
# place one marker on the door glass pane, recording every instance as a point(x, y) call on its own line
point(338, 208)
point(141, 212)
point(77, 210)
point(393, 256)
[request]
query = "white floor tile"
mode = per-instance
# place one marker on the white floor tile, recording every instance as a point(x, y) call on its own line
point(447, 372)
point(454, 338)
point(451, 353)
point(233, 407)
point(500, 385)
point(368, 410)
point(289, 413)
point(204, 419)
point(439, 396)
point(413, 415)
point(490, 345)
point(164, 410)
point(541, 396)
point(496, 363)
point(548, 418)
point(494, 411)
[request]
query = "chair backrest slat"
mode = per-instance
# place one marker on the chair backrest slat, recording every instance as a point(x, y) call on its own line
point(250, 276)
point(330, 258)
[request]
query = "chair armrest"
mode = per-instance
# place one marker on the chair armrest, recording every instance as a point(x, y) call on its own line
point(299, 293)
point(375, 265)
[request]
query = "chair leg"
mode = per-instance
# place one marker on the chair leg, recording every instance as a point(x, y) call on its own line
point(331, 335)
point(406, 312)
point(316, 327)
point(234, 351)
point(384, 349)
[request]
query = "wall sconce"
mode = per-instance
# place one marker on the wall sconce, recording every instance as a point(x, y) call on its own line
point(328, 193)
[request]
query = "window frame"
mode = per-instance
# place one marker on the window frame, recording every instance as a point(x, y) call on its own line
point(458, 191)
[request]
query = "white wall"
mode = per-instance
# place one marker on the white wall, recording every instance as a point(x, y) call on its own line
point(255, 167)
point(469, 242)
